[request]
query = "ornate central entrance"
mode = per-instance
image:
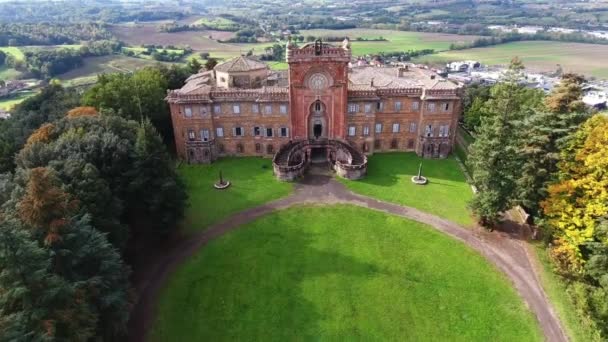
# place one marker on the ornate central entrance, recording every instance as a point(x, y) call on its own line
point(317, 126)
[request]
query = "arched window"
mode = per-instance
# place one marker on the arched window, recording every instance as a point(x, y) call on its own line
point(269, 149)
point(318, 106)
point(258, 147)
point(239, 148)
point(394, 144)
point(364, 147)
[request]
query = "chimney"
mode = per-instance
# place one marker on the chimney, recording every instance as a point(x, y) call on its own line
point(372, 82)
point(433, 76)
point(403, 70)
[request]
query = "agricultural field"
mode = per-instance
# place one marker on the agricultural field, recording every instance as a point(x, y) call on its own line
point(136, 35)
point(302, 274)
point(14, 51)
point(218, 23)
point(8, 103)
point(395, 40)
point(588, 59)
point(93, 66)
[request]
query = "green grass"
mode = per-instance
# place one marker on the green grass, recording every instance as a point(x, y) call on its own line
point(389, 179)
point(339, 273)
point(555, 288)
point(252, 184)
point(100, 65)
point(218, 23)
point(396, 40)
point(8, 103)
point(587, 59)
point(7, 73)
point(278, 65)
point(14, 51)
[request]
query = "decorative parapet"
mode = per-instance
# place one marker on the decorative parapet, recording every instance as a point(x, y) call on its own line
point(262, 94)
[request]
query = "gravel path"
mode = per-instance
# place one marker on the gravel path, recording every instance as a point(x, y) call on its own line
point(505, 250)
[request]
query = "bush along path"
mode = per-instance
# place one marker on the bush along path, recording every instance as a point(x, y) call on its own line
point(507, 251)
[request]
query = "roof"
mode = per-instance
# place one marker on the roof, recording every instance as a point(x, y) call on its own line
point(391, 78)
point(240, 64)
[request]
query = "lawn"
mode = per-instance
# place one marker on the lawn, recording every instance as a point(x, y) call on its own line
point(339, 273)
point(395, 40)
point(252, 184)
point(588, 59)
point(389, 179)
point(8, 103)
point(100, 65)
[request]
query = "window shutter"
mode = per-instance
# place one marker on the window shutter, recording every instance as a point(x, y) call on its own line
point(234, 131)
point(287, 130)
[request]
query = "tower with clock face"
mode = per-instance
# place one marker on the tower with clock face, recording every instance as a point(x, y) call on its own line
point(318, 89)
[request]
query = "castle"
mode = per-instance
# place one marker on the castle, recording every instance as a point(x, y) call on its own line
point(323, 108)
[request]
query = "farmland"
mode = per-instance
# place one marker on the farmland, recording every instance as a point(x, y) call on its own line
point(588, 59)
point(395, 40)
point(8, 103)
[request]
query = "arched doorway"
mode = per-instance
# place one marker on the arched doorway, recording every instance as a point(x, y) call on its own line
point(317, 125)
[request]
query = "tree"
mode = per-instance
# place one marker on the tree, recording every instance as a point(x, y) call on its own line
point(493, 157)
point(134, 96)
point(211, 63)
point(194, 65)
point(567, 96)
point(579, 198)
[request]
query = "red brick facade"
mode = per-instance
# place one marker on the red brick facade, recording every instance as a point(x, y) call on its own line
point(375, 108)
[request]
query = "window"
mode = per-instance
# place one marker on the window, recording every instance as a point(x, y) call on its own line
point(191, 135)
point(255, 108)
point(394, 144)
point(239, 148)
point(269, 132)
point(205, 134)
point(397, 106)
point(377, 144)
point(239, 131)
point(188, 112)
point(396, 128)
point(446, 107)
point(412, 127)
point(365, 130)
point(379, 106)
point(318, 106)
point(236, 108)
point(220, 148)
point(284, 131)
point(364, 147)
point(431, 107)
point(283, 109)
point(217, 109)
point(353, 107)
point(258, 148)
point(268, 109)
point(269, 149)
point(429, 131)
point(444, 130)
point(351, 131)
point(204, 110)
point(219, 132)
point(415, 105)
point(378, 128)
point(257, 131)
point(410, 144)
point(368, 107)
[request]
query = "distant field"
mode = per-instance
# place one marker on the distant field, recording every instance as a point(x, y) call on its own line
point(277, 65)
point(588, 59)
point(9, 73)
point(218, 23)
point(137, 35)
point(104, 64)
point(395, 40)
point(14, 51)
point(8, 103)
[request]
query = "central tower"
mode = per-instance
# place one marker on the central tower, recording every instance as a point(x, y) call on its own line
point(318, 89)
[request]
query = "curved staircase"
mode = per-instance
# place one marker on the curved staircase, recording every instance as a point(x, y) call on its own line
point(293, 159)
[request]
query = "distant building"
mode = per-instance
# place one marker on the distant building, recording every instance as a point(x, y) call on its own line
point(319, 108)
point(4, 114)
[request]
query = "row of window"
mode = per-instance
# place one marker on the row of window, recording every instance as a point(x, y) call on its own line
point(444, 130)
point(256, 108)
point(240, 132)
point(398, 106)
